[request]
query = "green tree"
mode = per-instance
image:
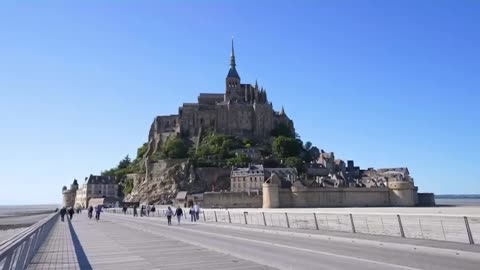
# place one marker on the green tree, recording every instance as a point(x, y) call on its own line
point(218, 147)
point(175, 148)
point(124, 163)
point(295, 162)
point(282, 130)
point(240, 160)
point(314, 153)
point(284, 147)
point(142, 150)
point(247, 143)
point(307, 146)
point(271, 163)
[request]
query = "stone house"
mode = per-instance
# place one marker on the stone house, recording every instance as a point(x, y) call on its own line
point(250, 179)
point(97, 186)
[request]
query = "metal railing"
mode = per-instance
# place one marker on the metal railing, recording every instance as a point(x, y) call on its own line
point(451, 228)
point(17, 252)
point(460, 229)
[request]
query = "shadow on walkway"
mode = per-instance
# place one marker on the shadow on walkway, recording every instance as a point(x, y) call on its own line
point(81, 256)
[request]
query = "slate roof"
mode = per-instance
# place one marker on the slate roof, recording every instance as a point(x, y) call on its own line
point(251, 170)
point(232, 73)
point(101, 180)
point(283, 173)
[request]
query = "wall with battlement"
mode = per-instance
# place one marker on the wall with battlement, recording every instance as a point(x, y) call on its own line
point(334, 197)
point(232, 200)
point(316, 197)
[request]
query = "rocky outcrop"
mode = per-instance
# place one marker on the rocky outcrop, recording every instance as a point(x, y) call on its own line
point(165, 178)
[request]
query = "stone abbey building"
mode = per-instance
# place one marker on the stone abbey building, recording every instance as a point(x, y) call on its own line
point(242, 110)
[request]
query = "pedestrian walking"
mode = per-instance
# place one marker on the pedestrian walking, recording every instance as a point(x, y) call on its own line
point(135, 213)
point(169, 214)
point(124, 209)
point(71, 212)
point(196, 208)
point(63, 212)
point(98, 210)
point(148, 210)
point(179, 214)
point(193, 215)
point(90, 212)
point(153, 210)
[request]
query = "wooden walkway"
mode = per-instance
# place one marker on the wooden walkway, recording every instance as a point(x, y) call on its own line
point(87, 244)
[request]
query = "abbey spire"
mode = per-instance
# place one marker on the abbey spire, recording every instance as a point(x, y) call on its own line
point(232, 57)
point(232, 73)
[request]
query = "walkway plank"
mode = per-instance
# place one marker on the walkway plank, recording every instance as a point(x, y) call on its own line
point(57, 252)
point(87, 244)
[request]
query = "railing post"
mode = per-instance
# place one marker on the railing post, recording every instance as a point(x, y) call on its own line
point(316, 221)
point(229, 217)
point(22, 258)
point(264, 219)
point(8, 260)
point(286, 217)
point(245, 216)
point(215, 213)
point(353, 224)
point(469, 232)
point(31, 251)
point(443, 230)
point(402, 232)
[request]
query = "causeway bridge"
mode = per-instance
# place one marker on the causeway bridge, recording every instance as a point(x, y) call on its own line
point(120, 241)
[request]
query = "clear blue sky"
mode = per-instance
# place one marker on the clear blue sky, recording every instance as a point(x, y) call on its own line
point(385, 83)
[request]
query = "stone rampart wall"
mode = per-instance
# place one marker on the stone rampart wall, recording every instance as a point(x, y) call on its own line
point(334, 197)
point(232, 200)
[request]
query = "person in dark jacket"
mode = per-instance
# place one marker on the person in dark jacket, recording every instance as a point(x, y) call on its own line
point(179, 214)
point(135, 213)
point(63, 212)
point(90, 212)
point(98, 210)
point(71, 212)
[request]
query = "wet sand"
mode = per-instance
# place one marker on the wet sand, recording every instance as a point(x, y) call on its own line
point(14, 219)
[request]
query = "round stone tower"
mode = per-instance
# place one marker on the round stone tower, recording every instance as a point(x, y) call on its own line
point(270, 190)
point(69, 195)
point(403, 193)
point(270, 196)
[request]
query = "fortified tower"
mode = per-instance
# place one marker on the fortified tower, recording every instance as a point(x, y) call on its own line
point(270, 190)
point(69, 195)
point(403, 193)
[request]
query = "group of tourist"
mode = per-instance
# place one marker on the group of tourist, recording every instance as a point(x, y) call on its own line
point(194, 214)
point(68, 212)
point(144, 210)
point(98, 210)
point(169, 213)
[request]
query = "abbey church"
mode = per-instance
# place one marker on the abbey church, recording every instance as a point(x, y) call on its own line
point(242, 110)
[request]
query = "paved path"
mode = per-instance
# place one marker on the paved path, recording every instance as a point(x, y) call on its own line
point(87, 244)
point(124, 242)
point(57, 252)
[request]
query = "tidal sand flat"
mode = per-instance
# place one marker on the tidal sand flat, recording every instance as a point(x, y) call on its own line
point(14, 219)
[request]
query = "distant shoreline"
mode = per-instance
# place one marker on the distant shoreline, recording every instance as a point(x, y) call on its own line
point(457, 196)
